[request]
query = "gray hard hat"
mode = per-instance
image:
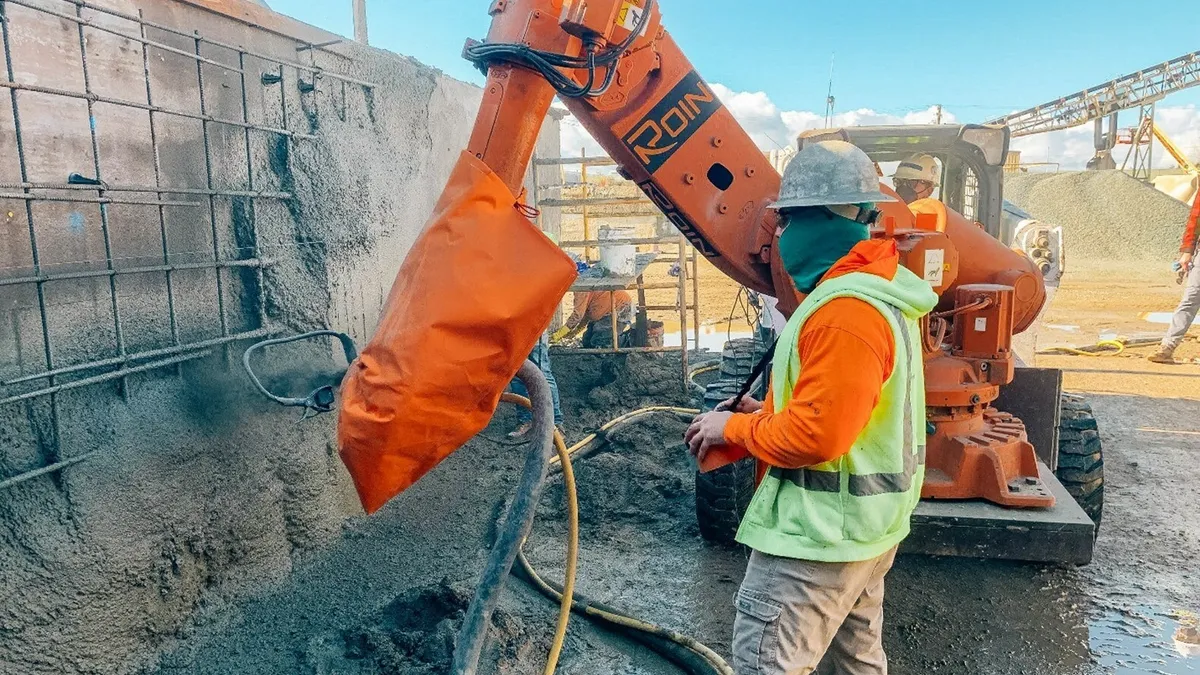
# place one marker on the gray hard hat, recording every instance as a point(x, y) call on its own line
point(829, 173)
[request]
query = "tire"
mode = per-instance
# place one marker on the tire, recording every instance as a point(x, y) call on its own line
point(723, 495)
point(1081, 456)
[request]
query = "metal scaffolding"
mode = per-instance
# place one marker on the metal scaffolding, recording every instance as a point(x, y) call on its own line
point(670, 249)
point(249, 261)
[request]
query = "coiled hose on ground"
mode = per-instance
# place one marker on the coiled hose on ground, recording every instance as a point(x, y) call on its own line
point(686, 652)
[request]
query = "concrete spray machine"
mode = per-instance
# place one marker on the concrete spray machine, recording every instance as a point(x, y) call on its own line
point(447, 347)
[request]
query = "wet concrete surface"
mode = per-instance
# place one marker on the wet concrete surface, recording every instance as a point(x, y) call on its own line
point(640, 551)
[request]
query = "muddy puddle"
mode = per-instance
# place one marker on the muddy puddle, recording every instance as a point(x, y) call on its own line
point(1141, 639)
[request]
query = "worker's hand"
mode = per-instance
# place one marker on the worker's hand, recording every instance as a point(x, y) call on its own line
point(747, 405)
point(559, 334)
point(1185, 261)
point(706, 431)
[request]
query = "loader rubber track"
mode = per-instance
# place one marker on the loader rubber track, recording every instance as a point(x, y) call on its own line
point(723, 495)
point(1081, 456)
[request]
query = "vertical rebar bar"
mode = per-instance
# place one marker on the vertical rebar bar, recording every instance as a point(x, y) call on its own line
point(162, 210)
point(104, 222)
point(212, 201)
point(48, 352)
point(253, 201)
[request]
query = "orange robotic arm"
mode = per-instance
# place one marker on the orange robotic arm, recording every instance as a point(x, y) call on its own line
point(624, 78)
point(646, 106)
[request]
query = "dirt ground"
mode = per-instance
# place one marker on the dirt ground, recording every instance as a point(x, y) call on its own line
point(388, 596)
point(1098, 298)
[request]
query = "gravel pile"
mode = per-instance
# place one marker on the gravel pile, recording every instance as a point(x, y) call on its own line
point(1105, 215)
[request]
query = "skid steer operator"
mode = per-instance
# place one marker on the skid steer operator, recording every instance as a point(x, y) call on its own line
point(915, 178)
point(842, 431)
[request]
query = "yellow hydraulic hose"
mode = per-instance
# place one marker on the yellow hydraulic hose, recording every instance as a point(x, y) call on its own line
point(566, 596)
point(564, 606)
point(1101, 348)
point(615, 618)
point(627, 417)
point(700, 370)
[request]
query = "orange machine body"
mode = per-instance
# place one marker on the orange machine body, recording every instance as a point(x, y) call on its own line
point(669, 133)
point(983, 259)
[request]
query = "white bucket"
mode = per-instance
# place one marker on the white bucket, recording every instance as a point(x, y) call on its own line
point(617, 260)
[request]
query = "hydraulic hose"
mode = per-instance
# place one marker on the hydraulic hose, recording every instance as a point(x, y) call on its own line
point(1101, 348)
point(517, 524)
point(564, 602)
point(596, 440)
point(686, 652)
point(699, 370)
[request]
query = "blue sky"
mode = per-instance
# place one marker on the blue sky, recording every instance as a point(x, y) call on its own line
point(978, 59)
point(987, 60)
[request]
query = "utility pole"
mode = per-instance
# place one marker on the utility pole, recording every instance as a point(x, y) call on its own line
point(829, 100)
point(360, 21)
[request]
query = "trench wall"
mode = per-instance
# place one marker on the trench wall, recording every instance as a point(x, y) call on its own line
point(274, 198)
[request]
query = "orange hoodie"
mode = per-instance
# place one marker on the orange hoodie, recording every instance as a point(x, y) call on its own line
point(847, 351)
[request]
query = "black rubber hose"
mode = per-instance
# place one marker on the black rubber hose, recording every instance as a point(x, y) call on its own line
point(666, 643)
point(517, 524)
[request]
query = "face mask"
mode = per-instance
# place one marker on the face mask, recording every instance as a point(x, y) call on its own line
point(813, 240)
point(907, 191)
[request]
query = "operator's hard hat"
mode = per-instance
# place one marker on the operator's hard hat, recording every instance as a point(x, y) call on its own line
point(918, 167)
point(829, 173)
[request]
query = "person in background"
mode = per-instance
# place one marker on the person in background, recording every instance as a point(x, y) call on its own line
point(915, 178)
point(592, 315)
point(541, 358)
point(1189, 275)
point(841, 432)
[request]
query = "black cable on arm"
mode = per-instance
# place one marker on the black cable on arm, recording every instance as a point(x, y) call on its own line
point(550, 64)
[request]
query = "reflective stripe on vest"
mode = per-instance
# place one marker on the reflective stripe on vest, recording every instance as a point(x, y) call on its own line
point(874, 483)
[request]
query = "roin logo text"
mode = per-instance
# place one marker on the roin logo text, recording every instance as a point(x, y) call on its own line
point(672, 121)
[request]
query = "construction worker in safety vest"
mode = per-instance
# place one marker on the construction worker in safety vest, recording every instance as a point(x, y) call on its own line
point(841, 434)
point(915, 178)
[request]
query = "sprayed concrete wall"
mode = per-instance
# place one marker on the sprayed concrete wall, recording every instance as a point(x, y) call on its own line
point(193, 490)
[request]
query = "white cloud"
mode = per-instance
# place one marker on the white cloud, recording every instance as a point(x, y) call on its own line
point(576, 139)
point(773, 128)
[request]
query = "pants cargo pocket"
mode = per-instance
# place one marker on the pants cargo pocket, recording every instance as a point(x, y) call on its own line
point(755, 634)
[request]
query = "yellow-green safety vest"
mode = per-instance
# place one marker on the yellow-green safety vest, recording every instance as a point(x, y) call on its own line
point(856, 507)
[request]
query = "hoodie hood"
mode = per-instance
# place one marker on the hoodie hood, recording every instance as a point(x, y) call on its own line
point(896, 285)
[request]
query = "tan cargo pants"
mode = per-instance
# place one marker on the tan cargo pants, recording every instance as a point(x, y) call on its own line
point(791, 613)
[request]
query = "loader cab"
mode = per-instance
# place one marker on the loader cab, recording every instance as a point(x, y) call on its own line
point(971, 157)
